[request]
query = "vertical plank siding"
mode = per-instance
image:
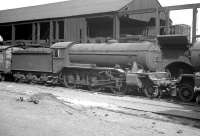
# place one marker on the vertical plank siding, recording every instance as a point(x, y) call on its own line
point(73, 28)
point(13, 33)
point(33, 32)
point(194, 24)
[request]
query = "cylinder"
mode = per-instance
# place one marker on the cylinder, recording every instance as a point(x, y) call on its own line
point(146, 54)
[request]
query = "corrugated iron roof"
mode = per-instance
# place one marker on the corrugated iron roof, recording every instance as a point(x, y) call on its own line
point(62, 9)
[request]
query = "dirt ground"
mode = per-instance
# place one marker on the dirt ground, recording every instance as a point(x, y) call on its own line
point(68, 112)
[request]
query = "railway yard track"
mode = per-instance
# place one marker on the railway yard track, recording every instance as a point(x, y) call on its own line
point(69, 110)
point(113, 102)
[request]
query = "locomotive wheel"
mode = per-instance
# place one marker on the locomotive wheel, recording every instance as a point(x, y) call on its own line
point(150, 92)
point(69, 81)
point(186, 93)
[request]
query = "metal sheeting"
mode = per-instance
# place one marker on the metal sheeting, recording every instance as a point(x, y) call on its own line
point(62, 9)
point(144, 4)
point(195, 55)
point(114, 47)
point(146, 54)
point(30, 62)
point(173, 41)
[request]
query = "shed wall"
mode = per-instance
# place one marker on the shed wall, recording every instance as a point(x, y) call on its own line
point(76, 29)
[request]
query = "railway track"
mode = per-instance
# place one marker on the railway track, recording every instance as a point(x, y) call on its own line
point(123, 104)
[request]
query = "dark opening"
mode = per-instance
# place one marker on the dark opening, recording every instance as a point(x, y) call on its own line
point(44, 30)
point(6, 32)
point(100, 28)
point(61, 29)
point(177, 68)
point(54, 30)
point(130, 26)
point(133, 27)
point(23, 32)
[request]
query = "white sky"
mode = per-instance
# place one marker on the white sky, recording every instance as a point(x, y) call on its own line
point(178, 17)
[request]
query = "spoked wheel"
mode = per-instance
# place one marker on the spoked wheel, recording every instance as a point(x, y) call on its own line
point(94, 84)
point(186, 93)
point(150, 92)
point(69, 81)
point(34, 79)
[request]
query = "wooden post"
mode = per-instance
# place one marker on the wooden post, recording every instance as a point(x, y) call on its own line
point(167, 22)
point(51, 33)
point(33, 33)
point(57, 31)
point(38, 32)
point(194, 24)
point(116, 27)
point(65, 29)
point(13, 34)
point(157, 22)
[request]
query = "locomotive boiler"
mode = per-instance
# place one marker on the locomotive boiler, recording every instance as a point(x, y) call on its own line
point(195, 56)
point(89, 65)
point(146, 54)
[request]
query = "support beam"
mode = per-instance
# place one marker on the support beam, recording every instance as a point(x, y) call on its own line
point(33, 32)
point(181, 7)
point(57, 31)
point(167, 22)
point(116, 27)
point(65, 29)
point(13, 34)
point(51, 33)
point(38, 32)
point(157, 22)
point(194, 24)
point(140, 11)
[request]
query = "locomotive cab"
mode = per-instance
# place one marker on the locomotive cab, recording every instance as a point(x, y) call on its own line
point(60, 55)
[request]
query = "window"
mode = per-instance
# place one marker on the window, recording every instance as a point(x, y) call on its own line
point(23, 32)
point(57, 53)
point(6, 32)
point(44, 30)
point(58, 30)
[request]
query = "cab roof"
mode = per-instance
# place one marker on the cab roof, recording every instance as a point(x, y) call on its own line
point(62, 45)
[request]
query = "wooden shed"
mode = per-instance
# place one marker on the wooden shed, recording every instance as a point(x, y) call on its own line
point(77, 20)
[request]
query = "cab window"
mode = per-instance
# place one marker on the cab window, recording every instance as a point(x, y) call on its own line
point(57, 53)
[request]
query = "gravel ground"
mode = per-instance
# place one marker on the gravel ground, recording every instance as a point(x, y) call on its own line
point(61, 111)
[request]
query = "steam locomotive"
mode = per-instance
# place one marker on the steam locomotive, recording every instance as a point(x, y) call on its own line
point(95, 66)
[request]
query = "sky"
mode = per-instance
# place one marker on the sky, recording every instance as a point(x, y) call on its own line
point(178, 17)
